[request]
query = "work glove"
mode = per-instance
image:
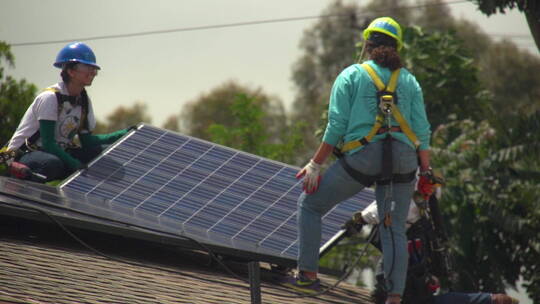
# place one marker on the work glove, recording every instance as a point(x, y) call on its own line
point(425, 187)
point(312, 176)
point(133, 127)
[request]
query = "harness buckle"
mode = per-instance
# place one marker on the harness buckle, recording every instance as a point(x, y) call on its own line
point(385, 104)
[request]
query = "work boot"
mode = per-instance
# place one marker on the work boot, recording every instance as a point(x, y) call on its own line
point(303, 284)
point(503, 299)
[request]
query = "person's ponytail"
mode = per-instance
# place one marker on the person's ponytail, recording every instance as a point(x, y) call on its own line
point(385, 56)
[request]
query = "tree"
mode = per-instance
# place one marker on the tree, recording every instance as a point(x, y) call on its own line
point(531, 9)
point(491, 201)
point(172, 123)
point(15, 96)
point(215, 108)
point(328, 47)
point(249, 133)
point(124, 117)
point(446, 71)
point(513, 81)
point(507, 73)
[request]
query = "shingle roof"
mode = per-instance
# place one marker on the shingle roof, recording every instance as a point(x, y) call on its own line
point(41, 265)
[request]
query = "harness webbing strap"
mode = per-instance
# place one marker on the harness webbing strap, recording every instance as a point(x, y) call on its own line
point(364, 140)
point(379, 119)
point(405, 126)
point(368, 180)
point(60, 98)
point(392, 84)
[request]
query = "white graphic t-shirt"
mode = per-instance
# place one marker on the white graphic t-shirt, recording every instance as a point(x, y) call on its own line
point(45, 107)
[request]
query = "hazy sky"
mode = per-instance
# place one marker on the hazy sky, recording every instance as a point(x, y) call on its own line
point(167, 70)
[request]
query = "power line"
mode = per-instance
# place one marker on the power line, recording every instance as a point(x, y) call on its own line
point(226, 25)
point(513, 36)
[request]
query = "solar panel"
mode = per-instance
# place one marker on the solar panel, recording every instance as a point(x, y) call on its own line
point(205, 191)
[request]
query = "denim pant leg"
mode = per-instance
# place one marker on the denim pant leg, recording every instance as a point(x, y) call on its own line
point(336, 185)
point(395, 199)
point(45, 164)
point(393, 238)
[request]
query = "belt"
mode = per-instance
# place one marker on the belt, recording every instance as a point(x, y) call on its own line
point(386, 129)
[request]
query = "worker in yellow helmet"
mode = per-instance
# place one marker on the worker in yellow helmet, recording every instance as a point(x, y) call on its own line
point(381, 146)
point(387, 26)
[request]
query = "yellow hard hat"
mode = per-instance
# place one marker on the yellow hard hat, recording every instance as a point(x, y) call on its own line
point(388, 26)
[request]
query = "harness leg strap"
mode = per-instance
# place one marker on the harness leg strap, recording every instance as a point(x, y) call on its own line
point(364, 179)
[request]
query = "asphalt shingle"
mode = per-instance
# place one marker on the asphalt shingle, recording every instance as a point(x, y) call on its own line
point(33, 270)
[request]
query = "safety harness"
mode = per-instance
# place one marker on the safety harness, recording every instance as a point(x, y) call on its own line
point(387, 105)
point(8, 156)
point(61, 98)
point(387, 100)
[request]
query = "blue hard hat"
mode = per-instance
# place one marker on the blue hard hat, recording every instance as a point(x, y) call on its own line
point(76, 52)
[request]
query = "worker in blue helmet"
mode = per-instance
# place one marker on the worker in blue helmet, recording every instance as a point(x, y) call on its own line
point(45, 138)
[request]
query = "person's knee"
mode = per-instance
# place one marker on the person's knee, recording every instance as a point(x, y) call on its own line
point(503, 299)
point(308, 203)
point(53, 169)
point(45, 164)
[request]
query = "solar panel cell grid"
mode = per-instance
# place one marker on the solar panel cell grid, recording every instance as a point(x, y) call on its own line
point(216, 194)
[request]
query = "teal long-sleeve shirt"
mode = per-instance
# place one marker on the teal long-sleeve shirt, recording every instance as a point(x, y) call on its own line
point(354, 105)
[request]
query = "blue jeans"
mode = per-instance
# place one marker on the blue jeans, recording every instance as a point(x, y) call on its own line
point(336, 185)
point(461, 297)
point(52, 166)
point(46, 164)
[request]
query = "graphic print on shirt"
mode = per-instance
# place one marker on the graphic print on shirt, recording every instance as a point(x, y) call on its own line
point(68, 124)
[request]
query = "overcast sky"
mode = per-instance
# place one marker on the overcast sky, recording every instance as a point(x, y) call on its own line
point(167, 70)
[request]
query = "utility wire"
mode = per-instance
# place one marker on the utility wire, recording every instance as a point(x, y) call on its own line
point(227, 25)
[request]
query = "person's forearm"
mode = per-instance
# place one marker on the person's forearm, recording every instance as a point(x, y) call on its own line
point(49, 145)
point(322, 153)
point(424, 160)
point(90, 140)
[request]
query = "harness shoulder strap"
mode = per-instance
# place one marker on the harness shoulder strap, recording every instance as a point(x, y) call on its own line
point(392, 84)
point(84, 111)
point(60, 99)
point(374, 77)
point(390, 88)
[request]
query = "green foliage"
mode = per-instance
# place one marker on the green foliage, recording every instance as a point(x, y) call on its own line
point(489, 7)
point(447, 74)
point(514, 82)
point(250, 135)
point(328, 48)
point(123, 117)
point(531, 9)
point(215, 107)
point(491, 201)
point(15, 96)
point(172, 123)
